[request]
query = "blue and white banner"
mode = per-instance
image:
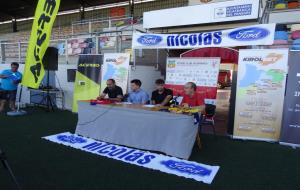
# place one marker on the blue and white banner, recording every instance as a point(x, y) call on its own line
point(167, 164)
point(262, 34)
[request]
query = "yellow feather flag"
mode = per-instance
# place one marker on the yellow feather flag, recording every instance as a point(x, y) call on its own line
point(44, 18)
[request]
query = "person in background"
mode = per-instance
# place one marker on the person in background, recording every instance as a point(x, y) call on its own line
point(113, 91)
point(161, 96)
point(10, 80)
point(190, 97)
point(137, 96)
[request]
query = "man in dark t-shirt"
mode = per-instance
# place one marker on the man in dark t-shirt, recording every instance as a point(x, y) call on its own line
point(161, 96)
point(113, 91)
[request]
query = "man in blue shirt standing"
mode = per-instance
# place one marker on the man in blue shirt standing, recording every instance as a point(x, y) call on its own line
point(137, 96)
point(10, 80)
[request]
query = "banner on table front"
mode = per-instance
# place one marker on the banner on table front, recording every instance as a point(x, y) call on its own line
point(88, 79)
point(44, 18)
point(167, 164)
point(262, 34)
point(202, 71)
point(290, 134)
point(115, 66)
point(260, 93)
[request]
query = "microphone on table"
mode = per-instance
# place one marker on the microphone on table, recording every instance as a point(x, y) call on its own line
point(125, 97)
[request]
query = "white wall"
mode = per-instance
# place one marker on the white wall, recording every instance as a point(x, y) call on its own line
point(147, 74)
point(67, 87)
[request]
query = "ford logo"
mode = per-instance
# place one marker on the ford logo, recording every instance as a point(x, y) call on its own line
point(187, 168)
point(71, 139)
point(249, 34)
point(149, 40)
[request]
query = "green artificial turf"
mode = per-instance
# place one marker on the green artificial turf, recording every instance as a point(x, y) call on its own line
point(42, 165)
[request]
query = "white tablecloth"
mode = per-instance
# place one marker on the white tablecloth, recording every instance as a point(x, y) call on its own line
point(173, 134)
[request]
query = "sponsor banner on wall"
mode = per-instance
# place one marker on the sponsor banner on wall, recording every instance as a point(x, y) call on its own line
point(260, 93)
point(262, 34)
point(202, 71)
point(44, 18)
point(115, 66)
point(167, 164)
point(290, 134)
point(88, 79)
point(81, 46)
point(203, 13)
point(107, 42)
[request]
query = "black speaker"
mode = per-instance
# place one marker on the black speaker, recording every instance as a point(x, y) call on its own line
point(50, 59)
point(71, 75)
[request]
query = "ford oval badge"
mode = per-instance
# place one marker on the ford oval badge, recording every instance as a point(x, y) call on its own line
point(149, 40)
point(249, 34)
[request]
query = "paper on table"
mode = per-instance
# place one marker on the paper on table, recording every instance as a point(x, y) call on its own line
point(149, 106)
point(125, 103)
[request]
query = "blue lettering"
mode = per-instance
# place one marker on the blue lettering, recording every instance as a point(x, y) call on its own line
point(177, 40)
point(94, 146)
point(105, 151)
point(218, 37)
point(117, 152)
point(170, 41)
point(207, 39)
point(193, 39)
point(146, 159)
point(183, 40)
point(126, 154)
point(134, 156)
point(200, 39)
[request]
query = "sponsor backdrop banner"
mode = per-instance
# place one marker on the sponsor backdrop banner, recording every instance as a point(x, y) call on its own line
point(215, 12)
point(116, 66)
point(166, 164)
point(261, 78)
point(44, 18)
point(203, 71)
point(262, 34)
point(88, 78)
point(290, 134)
point(81, 46)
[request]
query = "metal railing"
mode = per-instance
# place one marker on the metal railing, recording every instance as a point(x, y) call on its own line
point(101, 35)
point(70, 48)
point(98, 25)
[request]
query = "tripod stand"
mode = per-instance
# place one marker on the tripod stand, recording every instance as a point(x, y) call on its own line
point(47, 99)
point(6, 166)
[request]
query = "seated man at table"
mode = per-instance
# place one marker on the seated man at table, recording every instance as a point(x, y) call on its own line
point(190, 97)
point(161, 96)
point(113, 91)
point(137, 96)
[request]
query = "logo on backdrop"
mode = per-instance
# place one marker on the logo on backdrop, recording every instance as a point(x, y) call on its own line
point(249, 34)
point(271, 58)
point(149, 40)
point(117, 61)
point(71, 139)
point(187, 168)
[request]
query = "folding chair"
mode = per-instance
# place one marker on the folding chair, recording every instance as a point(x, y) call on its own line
point(208, 118)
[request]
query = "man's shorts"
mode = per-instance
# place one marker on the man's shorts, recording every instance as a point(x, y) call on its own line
point(9, 95)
